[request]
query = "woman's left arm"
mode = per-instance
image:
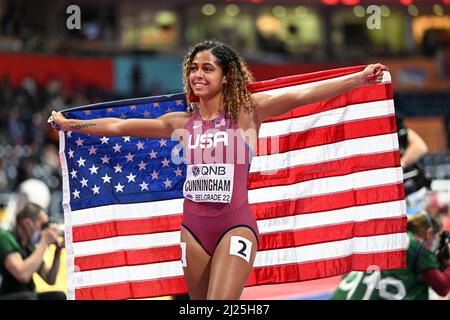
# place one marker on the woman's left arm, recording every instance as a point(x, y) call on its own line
point(273, 105)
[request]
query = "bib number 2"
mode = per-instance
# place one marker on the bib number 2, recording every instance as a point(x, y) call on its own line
point(241, 247)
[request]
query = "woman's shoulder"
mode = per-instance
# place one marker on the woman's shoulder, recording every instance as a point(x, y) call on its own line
point(177, 119)
point(249, 116)
point(259, 96)
point(177, 115)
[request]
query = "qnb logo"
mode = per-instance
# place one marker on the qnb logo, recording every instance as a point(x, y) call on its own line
point(210, 170)
point(195, 171)
point(208, 140)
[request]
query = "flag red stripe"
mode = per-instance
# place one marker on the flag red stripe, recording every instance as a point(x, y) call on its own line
point(327, 268)
point(302, 78)
point(346, 199)
point(330, 233)
point(326, 135)
point(356, 96)
point(133, 290)
point(277, 240)
point(126, 227)
point(325, 169)
point(259, 276)
point(127, 257)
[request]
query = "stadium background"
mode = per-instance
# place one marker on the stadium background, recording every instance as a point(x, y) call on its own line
point(135, 48)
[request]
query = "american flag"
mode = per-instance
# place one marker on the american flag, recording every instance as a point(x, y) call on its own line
point(328, 198)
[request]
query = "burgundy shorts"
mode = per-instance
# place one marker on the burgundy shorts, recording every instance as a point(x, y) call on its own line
point(208, 231)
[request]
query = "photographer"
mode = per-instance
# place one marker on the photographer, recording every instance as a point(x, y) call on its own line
point(427, 266)
point(21, 255)
point(412, 149)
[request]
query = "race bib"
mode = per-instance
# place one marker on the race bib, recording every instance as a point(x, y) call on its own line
point(209, 182)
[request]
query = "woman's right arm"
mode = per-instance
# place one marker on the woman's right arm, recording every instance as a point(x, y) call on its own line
point(161, 127)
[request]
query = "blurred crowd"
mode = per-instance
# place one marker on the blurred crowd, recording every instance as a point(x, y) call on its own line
point(28, 146)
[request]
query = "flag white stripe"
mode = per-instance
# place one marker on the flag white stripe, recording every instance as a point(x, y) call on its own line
point(322, 251)
point(67, 216)
point(357, 180)
point(127, 211)
point(353, 214)
point(121, 243)
point(324, 153)
point(64, 171)
point(128, 274)
point(327, 118)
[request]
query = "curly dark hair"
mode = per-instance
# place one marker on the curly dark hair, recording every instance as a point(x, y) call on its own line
point(236, 96)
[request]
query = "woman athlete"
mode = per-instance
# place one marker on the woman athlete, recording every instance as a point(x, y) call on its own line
point(219, 234)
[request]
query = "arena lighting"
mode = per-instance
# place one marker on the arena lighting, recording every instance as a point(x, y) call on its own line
point(385, 11)
point(412, 10)
point(438, 10)
point(279, 11)
point(268, 24)
point(330, 2)
point(208, 9)
point(359, 11)
point(301, 11)
point(251, 1)
point(232, 10)
point(350, 2)
point(406, 2)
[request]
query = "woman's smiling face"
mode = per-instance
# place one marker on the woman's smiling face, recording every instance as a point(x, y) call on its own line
point(206, 77)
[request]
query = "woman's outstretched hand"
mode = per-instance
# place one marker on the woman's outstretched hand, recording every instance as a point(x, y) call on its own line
point(372, 74)
point(58, 121)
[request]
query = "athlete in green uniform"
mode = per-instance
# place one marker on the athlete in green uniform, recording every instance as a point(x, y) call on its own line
point(412, 283)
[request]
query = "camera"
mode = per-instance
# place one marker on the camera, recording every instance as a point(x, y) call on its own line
point(443, 253)
point(60, 231)
point(60, 228)
point(414, 178)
